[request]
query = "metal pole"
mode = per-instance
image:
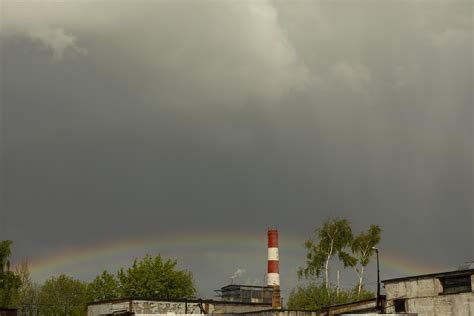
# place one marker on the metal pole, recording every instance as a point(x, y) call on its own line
point(378, 278)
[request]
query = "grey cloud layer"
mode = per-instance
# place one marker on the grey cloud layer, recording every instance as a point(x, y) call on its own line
point(219, 115)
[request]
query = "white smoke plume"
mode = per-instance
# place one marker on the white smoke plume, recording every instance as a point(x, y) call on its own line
point(238, 273)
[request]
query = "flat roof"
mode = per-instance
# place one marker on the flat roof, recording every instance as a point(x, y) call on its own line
point(249, 286)
point(177, 300)
point(432, 275)
point(322, 309)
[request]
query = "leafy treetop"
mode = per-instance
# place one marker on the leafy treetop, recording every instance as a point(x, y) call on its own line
point(153, 277)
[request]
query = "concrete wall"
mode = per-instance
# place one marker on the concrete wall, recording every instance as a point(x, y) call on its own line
point(285, 313)
point(423, 297)
point(352, 308)
point(108, 308)
point(222, 308)
point(175, 307)
point(364, 307)
point(154, 307)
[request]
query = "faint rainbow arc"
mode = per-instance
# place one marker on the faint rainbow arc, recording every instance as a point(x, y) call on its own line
point(208, 243)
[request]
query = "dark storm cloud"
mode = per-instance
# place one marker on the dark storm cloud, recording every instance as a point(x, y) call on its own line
point(165, 117)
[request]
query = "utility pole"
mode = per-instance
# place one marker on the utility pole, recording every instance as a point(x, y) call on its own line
point(378, 277)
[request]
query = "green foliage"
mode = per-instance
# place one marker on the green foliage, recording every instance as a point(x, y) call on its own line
point(103, 287)
point(149, 277)
point(62, 295)
point(313, 296)
point(332, 238)
point(363, 244)
point(9, 281)
point(5, 252)
point(362, 250)
point(153, 277)
point(28, 292)
point(364, 294)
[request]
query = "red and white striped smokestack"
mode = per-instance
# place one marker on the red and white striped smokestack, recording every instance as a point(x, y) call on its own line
point(273, 277)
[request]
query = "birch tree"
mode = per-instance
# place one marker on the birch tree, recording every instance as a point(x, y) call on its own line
point(28, 292)
point(362, 251)
point(332, 238)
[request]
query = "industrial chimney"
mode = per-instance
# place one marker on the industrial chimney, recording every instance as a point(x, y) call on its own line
point(273, 277)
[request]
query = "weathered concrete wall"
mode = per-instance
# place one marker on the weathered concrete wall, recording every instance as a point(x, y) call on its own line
point(285, 313)
point(365, 307)
point(294, 313)
point(351, 308)
point(222, 308)
point(414, 288)
point(164, 307)
point(175, 307)
point(156, 307)
point(108, 308)
point(424, 296)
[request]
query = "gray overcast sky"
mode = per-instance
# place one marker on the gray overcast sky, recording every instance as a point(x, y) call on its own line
point(124, 119)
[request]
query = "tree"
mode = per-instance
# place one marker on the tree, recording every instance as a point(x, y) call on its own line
point(5, 252)
point(362, 251)
point(313, 296)
point(9, 281)
point(332, 238)
point(62, 295)
point(28, 292)
point(153, 277)
point(103, 287)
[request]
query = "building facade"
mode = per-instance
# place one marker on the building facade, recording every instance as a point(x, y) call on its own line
point(447, 293)
point(246, 293)
point(137, 306)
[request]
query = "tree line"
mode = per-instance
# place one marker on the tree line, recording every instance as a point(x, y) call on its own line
point(152, 276)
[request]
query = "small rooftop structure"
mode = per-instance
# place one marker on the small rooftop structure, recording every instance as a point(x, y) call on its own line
point(246, 293)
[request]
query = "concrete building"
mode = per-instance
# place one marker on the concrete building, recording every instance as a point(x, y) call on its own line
point(447, 293)
point(140, 306)
point(246, 293)
point(368, 306)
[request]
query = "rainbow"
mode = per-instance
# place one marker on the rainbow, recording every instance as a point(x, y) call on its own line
point(404, 266)
point(120, 253)
point(83, 258)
